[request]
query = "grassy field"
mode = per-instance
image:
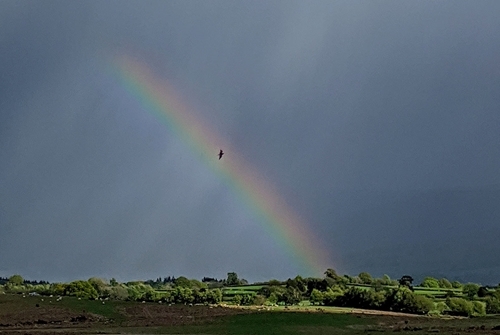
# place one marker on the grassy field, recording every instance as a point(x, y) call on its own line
point(229, 292)
point(70, 316)
point(278, 323)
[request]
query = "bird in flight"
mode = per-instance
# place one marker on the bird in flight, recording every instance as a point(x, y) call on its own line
point(221, 153)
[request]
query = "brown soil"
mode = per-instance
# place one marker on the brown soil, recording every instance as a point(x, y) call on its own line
point(33, 317)
point(158, 315)
point(22, 317)
point(18, 317)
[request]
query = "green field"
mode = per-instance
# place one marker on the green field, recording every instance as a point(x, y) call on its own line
point(154, 318)
point(437, 292)
point(230, 291)
point(277, 323)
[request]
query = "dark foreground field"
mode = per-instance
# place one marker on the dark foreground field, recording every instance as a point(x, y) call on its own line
point(20, 315)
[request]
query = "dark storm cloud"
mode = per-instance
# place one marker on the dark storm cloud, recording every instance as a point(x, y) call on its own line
point(378, 122)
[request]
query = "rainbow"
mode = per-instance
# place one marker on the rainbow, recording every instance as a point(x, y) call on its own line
point(159, 97)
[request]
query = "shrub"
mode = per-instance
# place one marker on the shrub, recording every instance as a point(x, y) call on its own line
point(316, 297)
point(274, 282)
point(100, 286)
point(273, 298)
point(441, 307)
point(11, 288)
point(246, 299)
point(423, 305)
point(404, 300)
point(214, 296)
point(430, 282)
point(386, 280)
point(470, 290)
point(331, 296)
point(237, 299)
point(291, 296)
point(444, 283)
point(118, 293)
point(434, 312)
point(483, 292)
point(259, 300)
point(492, 305)
point(81, 289)
point(183, 295)
point(479, 308)
point(365, 278)
point(359, 298)
point(460, 306)
point(57, 289)
point(16, 280)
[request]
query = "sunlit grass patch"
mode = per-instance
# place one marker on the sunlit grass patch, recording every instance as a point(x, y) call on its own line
point(270, 323)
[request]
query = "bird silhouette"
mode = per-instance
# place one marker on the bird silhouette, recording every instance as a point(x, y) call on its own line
point(221, 153)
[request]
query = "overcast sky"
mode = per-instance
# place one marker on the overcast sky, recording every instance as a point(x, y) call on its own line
point(378, 122)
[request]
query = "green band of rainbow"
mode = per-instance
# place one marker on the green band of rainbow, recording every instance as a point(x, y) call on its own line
point(277, 218)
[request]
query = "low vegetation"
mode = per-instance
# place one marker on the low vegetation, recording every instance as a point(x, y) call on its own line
point(431, 297)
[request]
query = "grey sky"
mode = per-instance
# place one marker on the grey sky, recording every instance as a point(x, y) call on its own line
point(377, 121)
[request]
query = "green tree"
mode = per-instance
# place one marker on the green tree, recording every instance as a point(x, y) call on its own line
point(258, 300)
point(430, 282)
point(273, 298)
point(331, 273)
point(183, 295)
point(444, 283)
point(57, 288)
point(237, 299)
point(297, 283)
point(16, 280)
point(200, 296)
point(404, 300)
point(232, 279)
point(274, 282)
point(483, 292)
point(81, 289)
point(459, 306)
point(316, 283)
point(361, 298)
point(151, 295)
point(100, 286)
point(134, 293)
point(214, 296)
point(441, 307)
point(365, 278)
point(492, 305)
point(198, 285)
point(406, 281)
point(118, 293)
point(456, 284)
point(246, 299)
point(331, 295)
point(470, 290)
point(183, 282)
point(292, 296)
point(316, 297)
point(386, 280)
point(479, 308)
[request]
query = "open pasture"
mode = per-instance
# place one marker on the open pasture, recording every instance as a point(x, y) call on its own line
point(437, 292)
point(71, 316)
point(231, 291)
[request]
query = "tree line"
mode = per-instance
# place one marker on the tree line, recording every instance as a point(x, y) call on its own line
point(361, 291)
